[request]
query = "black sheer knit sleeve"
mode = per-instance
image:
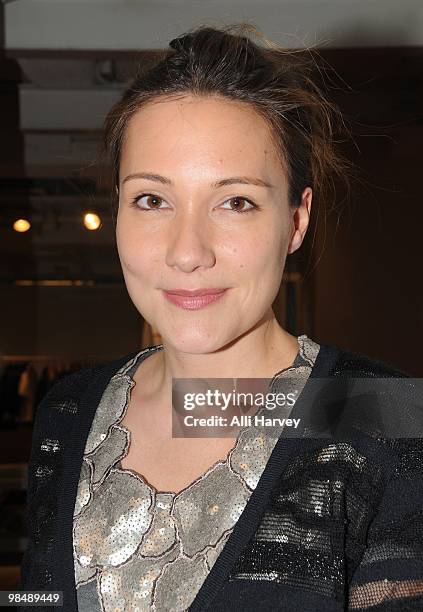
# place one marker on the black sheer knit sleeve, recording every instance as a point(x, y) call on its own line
point(55, 417)
point(31, 569)
point(390, 573)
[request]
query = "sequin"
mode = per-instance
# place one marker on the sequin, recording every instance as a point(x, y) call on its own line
point(83, 494)
point(130, 587)
point(110, 409)
point(50, 446)
point(177, 583)
point(139, 549)
point(114, 445)
point(111, 527)
point(162, 534)
point(209, 507)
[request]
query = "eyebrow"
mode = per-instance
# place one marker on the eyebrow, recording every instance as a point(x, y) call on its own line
point(158, 178)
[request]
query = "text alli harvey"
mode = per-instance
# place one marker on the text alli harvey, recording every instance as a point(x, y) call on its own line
point(241, 421)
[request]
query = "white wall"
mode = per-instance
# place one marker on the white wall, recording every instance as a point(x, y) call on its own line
point(143, 24)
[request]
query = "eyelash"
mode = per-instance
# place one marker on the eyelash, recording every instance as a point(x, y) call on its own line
point(134, 203)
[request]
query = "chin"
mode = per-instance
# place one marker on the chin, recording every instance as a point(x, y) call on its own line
point(195, 342)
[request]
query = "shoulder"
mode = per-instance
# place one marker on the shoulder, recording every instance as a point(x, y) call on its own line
point(349, 363)
point(62, 400)
point(386, 412)
point(370, 401)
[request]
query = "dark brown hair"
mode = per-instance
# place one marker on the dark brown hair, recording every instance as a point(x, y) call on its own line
point(277, 83)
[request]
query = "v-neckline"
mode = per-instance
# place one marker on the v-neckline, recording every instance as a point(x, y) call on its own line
point(129, 371)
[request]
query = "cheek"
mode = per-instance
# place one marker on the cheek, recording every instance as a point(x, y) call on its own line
point(258, 269)
point(268, 253)
point(131, 244)
point(132, 251)
point(269, 264)
point(137, 261)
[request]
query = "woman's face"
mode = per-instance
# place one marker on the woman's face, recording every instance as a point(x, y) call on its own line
point(185, 232)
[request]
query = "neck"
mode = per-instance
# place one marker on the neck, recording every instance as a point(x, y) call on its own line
point(260, 353)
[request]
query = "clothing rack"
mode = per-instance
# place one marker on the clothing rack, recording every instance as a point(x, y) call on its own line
point(25, 379)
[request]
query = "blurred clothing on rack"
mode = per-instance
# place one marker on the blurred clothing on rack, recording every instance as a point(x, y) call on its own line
point(27, 387)
point(24, 383)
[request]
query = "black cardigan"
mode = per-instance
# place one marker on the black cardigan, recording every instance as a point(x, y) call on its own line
point(327, 518)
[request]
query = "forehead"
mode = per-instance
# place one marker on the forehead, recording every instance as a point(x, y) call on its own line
point(201, 129)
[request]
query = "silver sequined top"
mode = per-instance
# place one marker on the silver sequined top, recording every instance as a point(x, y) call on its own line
point(139, 549)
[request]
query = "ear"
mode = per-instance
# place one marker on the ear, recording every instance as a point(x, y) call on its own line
point(301, 218)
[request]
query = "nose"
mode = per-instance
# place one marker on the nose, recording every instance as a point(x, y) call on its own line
point(190, 242)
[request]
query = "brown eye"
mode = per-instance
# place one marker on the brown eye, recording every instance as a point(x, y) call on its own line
point(153, 201)
point(240, 204)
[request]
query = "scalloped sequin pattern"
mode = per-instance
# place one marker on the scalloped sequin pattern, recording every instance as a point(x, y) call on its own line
point(136, 548)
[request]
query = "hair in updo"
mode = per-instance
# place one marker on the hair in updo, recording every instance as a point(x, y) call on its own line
point(276, 82)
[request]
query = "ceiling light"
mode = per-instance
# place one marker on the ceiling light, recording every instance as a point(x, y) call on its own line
point(21, 225)
point(92, 221)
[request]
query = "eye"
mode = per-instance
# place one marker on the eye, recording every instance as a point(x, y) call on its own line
point(154, 200)
point(241, 199)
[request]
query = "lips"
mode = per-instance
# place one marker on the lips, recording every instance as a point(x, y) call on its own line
point(194, 300)
point(194, 292)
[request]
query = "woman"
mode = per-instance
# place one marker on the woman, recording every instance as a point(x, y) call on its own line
point(218, 151)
